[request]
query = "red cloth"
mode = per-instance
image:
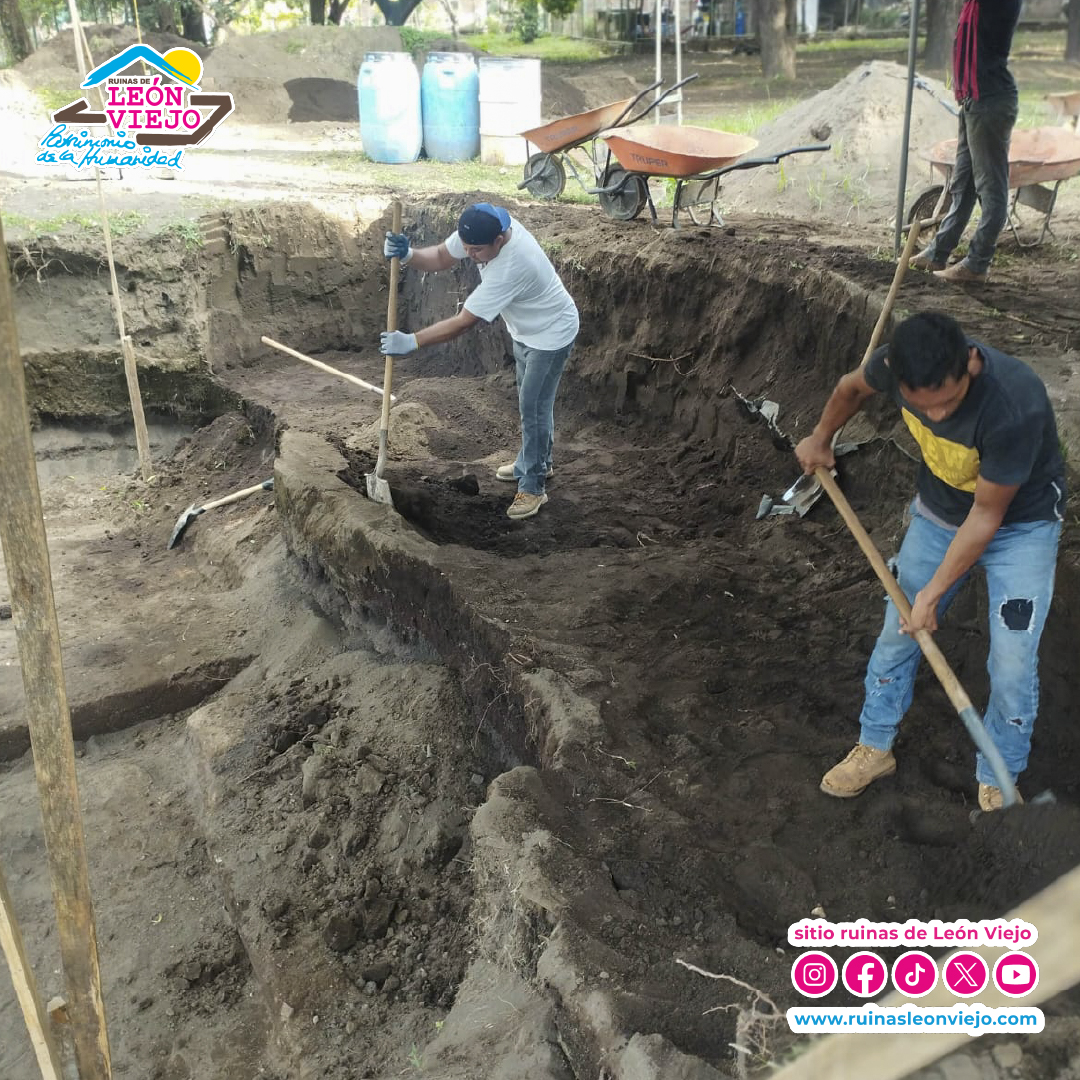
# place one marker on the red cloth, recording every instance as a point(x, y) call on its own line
point(966, 53)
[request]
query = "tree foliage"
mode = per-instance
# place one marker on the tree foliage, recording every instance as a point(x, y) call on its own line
point(560, 9)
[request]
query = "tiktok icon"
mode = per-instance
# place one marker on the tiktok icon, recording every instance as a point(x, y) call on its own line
point(914, 974)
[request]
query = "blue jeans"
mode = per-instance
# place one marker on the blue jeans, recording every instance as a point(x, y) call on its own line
point(1019, 562)
point(538, 375)
point(981, 172)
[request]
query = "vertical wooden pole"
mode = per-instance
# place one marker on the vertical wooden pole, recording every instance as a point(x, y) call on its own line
point(26, 555)
point(131, 371)
point(22, 975)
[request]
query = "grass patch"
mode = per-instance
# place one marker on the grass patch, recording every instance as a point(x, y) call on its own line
point(553, 49)
point(184, 232)
point(749, 118)
point(864, 46)
point(121, 224)
point(54, 96)
point(416, 41)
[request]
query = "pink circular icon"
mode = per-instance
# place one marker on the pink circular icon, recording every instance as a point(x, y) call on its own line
point(966, 974)
point(865, 974)
point(914, 974)
point(1016, 974)
point(814, 974)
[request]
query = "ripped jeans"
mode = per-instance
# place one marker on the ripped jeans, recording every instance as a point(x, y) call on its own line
point(1019, 562)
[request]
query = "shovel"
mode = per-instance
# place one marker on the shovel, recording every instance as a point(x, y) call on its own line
point(193, 511)
point(807, 489)
point(378, 490)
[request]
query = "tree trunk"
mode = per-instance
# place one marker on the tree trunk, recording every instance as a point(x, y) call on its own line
point(337, 9)
point(166, 19)
point(941, 16)
point(777, 40)
point(1072, 35)
point(317, 9)
point(397, 12)
point(192, 19)
point(13, 27)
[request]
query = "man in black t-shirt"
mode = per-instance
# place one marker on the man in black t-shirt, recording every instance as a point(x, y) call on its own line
point(986, 92)
point(990, 492)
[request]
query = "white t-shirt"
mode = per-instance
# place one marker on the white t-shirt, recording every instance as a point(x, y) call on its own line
point(521, 285)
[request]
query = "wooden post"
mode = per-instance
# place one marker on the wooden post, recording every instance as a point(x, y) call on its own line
point(131, 372)
point(26, 555)
point(22, 976)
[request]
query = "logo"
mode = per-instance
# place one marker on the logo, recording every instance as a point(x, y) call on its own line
point(914, 974)
point(814, 974)
point(966, 974)
point(148, 119)
point(865, 974)
point(1016, 974)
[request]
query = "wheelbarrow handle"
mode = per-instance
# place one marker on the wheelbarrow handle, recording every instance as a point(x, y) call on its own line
point(753, 163)
point(667, 93)
point(633, 104)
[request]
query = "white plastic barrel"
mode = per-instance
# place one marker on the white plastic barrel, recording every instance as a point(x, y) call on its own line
point(509, 105)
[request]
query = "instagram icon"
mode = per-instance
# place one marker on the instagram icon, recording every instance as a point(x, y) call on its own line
point(814, 974)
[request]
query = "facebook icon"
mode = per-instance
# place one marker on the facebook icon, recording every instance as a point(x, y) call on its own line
point(865, 974)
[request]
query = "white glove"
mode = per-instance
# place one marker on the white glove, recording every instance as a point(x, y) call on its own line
point(398, 343)
point(397, 244)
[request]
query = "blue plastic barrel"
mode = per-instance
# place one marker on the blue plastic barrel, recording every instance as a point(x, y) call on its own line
point(389, 91)
point(740, 21)
point(450, 102)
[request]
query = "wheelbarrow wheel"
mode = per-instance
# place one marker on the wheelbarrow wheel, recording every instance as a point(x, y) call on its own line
point(922, 209)
point(545, 176)
point(629, 197)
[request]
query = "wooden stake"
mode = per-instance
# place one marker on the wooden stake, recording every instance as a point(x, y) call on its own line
point(26, 555)
point(22, 976)
point(131, 372)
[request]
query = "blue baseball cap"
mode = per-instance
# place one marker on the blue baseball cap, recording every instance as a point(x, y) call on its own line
point(481, 223)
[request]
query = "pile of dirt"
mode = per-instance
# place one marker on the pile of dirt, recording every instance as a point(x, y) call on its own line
point(853, 183)
point(54, 68)
point(307, 73)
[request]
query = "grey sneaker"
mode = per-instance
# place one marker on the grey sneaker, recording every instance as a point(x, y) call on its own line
point(858, 771)
point(506, 472)
point(525, 505)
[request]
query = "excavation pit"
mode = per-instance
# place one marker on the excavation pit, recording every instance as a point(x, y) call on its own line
point(634, 694)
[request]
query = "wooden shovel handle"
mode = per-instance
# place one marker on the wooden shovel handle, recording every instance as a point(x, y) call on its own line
point(391, 319)
point(890, 299)
point(957, 694)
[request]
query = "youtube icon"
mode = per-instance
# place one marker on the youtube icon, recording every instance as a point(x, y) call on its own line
point(1016, 974)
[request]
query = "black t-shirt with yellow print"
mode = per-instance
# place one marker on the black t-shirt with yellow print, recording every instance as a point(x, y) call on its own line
point(1004, 430)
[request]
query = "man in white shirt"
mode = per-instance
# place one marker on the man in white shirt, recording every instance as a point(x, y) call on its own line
point(518, 282)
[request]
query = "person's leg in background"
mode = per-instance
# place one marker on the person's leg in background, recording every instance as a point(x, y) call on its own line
point(990, 125)
point(962, 197)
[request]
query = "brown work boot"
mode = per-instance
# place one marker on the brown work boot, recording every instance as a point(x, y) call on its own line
point(922, 261)
point(959, 274)
point(858, 771)
point(991, 798)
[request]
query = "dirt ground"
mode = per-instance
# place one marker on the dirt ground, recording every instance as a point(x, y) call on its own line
point(443, 795)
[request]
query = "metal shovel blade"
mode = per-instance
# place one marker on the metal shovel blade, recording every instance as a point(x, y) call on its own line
point(378, 490)
point(182, 522)
point(802, 495)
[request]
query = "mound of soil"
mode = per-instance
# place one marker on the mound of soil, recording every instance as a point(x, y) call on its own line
point(862, 119)
point(307, 73)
